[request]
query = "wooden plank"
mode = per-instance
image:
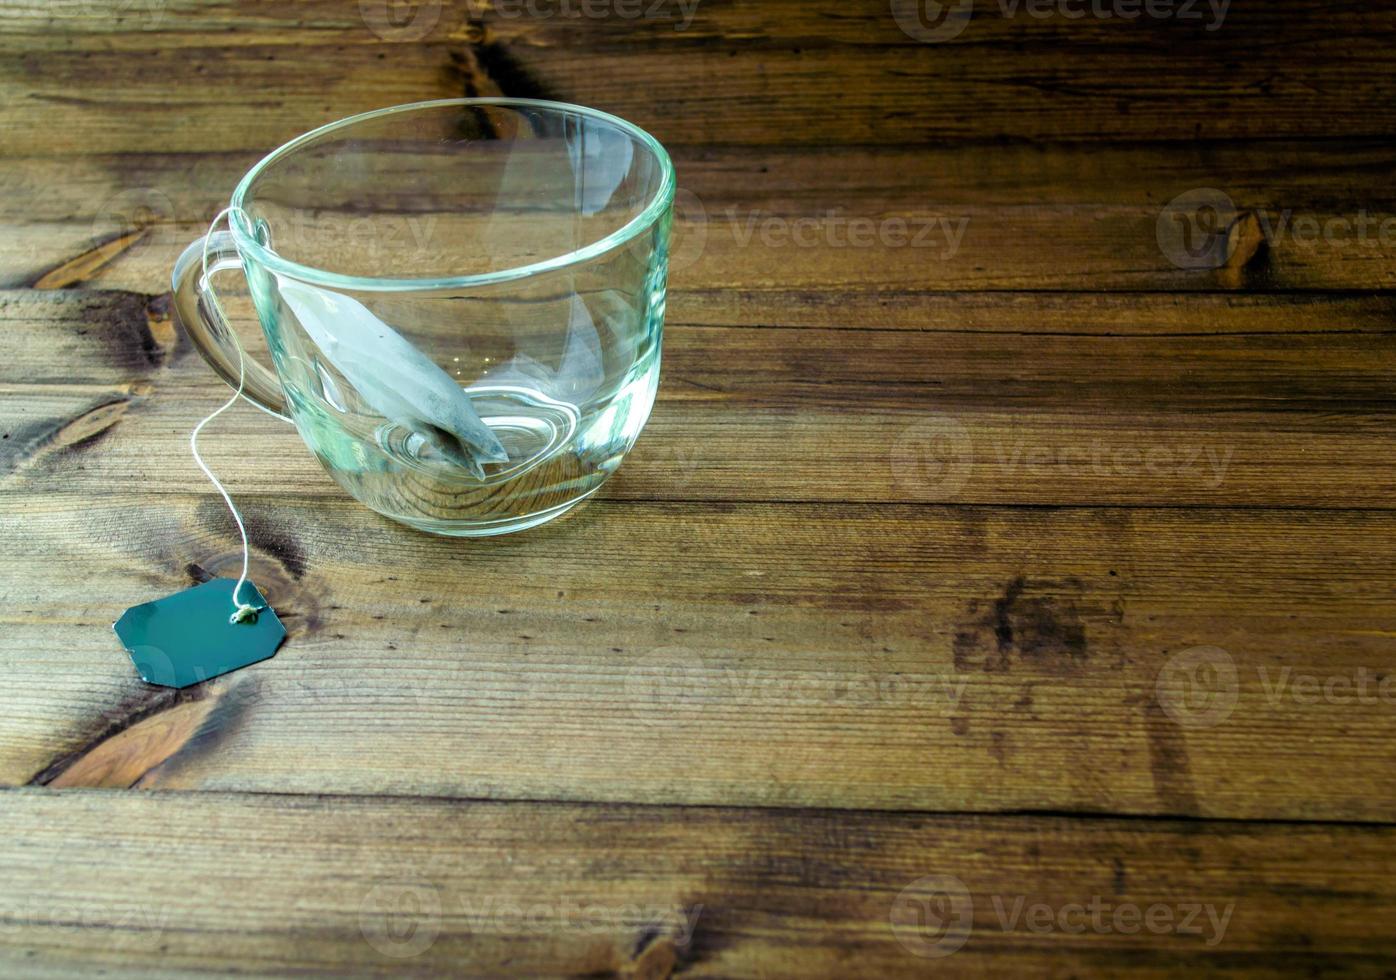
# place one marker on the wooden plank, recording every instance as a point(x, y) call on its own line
point(170, 884)
point(858, 223)
point(1038, 312)
point(784, 74)
point(234, 98)
point(81, 337)
point(824, 95)
point(1323, 177)
point(38, 25)
point(910, 548)
point(1007, 403)
point(963, 249)
point(889, 657)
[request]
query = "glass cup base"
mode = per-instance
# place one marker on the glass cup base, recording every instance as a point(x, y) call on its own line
point(489, 529)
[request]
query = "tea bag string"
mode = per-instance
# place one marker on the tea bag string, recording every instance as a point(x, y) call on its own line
point(242, 611)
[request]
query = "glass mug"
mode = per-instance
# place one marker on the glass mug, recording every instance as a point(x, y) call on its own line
point(463, 301)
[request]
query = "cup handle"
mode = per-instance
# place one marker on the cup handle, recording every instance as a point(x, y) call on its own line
point(203, 319)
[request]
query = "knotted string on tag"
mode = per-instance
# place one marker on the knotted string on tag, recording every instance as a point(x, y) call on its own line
point(242, 611)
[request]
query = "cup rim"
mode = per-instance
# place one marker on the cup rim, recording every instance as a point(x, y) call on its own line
point(250, 247)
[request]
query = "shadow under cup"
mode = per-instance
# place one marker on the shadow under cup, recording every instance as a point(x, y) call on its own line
point(463, 301)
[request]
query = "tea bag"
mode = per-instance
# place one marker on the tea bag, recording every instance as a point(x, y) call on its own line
point(400, 382)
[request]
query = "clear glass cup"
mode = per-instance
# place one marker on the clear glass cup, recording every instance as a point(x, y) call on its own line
point(463, 301)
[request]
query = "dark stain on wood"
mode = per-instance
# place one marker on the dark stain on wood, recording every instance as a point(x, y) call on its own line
point(231, 705)
point(274, 538)
point(485, 70)
point(1247, 253)
point(146, 703)
point(704, 942)
point(297, 601)
point(1168, 762)
point(998, 746)
point(656, 956)
point(507, 73)
point(174, 725)
point(125, 335)
point(264, 534)
point(1044, 629)
point(28, 442)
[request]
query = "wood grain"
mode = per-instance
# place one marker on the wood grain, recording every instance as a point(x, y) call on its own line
point(895, 657)
point(166, 884)
point(871, 616)
point(1070, 400)
point(62, 102)
point(1048, 558)
point(783, 76)
point(862, 224)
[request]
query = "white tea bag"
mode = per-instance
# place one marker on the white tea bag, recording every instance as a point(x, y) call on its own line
point(400, 382)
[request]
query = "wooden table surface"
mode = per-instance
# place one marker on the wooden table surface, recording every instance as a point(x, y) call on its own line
point(1003, 584)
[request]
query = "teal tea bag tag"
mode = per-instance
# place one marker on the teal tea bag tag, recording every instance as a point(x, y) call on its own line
point(190, 637)
point(220, 625)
